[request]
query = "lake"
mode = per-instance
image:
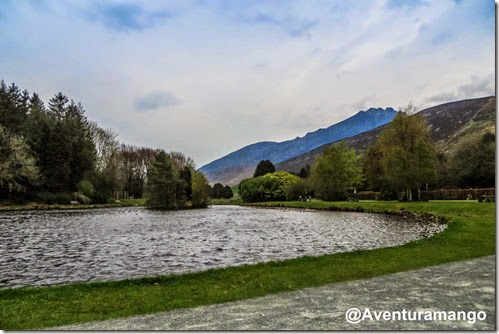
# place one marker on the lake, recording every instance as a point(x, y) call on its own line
point(60, 247)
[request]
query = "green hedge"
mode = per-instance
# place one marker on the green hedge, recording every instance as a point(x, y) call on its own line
point(269, 187)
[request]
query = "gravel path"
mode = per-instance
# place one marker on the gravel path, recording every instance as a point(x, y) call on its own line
point(459, 286)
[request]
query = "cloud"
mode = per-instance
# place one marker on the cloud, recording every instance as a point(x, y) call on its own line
point(155, 101)
point(395, 4)
point(126, 16)
point(238, 72)
point(476, 87)
point(293, 26)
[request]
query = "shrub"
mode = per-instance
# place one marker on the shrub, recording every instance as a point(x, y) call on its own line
point(86, 188)
point(269, 187)
point(81, 198)
point(99, 198)
point(54, 198)
point(295, 190)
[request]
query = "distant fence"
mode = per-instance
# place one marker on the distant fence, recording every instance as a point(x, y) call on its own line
point(440, 194)
point(453, 194)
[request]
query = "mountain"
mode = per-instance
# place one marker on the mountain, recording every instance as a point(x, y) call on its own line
point(450, 123)
point(240, 164)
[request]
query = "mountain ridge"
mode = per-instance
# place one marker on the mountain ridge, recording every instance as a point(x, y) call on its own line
point(233, 167)
point(449, 124)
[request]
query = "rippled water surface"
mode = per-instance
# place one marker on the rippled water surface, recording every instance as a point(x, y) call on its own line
point(57, 247)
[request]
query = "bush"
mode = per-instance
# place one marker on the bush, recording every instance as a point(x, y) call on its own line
point(295, 190)
point(81, 198)
point(269, 187)
point(99, 198)
point(86, 188)
point(367, 195)
point(54, 198)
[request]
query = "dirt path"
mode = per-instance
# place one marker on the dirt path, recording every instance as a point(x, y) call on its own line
point(459, 286)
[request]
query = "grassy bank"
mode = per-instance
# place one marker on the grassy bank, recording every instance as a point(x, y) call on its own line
point(471, 233)
point(40, 206)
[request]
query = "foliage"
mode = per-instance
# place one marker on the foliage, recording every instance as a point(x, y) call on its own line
point(172, 184)
point(473, 164)
point(200, 190)
point(17, 166)
point(67, 149)
point(219, 191)
point(269, 187)
point(304, 172)
point(403, 158)
point(336, 172)
point(301, 188)
point(86, 188)
point(162, 183)
point(264, 167)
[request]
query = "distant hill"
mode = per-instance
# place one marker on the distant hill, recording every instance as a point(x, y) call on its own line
point(450, 123)
point(240, 164)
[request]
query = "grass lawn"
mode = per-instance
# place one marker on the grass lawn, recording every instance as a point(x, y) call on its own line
point(471, 233)
point(38, 206)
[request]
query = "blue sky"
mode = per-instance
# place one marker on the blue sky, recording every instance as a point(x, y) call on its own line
point(206, 77)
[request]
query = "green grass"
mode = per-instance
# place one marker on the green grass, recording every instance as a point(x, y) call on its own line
point(39, 206)
point(224, 201)
point(471, 233)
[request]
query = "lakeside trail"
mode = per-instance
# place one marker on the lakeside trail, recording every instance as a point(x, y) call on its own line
point(457, 286)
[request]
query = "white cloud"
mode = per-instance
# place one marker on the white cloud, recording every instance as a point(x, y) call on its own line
point(307, 65)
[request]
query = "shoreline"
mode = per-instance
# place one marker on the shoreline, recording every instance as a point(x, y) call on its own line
point(470, 233)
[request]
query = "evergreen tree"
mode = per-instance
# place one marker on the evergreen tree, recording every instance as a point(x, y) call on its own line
point(161, 184)
point(57, 105)
point(264, 167)
point(55, 159)
point(12, 108)
point(227, 192)
point(304, 172)
point(218, 190)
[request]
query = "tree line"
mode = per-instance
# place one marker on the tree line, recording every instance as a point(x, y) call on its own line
point(52, 153)
point(400, 164)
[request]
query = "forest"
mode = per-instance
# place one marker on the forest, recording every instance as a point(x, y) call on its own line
point(54, 154)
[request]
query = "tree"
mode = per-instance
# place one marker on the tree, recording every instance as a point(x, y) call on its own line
point(57, 105)
point(161, 186)
point(218, 190)
point(264, 167)
point(55, 159)
point(13, 107)
point(336, 172)
point(186, 177)
point(373, 167)
point(17, 166)
point(268, 187)
point(473, 163)
point(227, 192)
point(408, 156)
point(304, 172)
point(200, 190)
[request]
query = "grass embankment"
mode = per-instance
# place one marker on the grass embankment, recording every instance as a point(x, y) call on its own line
point(39, 206)
point(471, 233)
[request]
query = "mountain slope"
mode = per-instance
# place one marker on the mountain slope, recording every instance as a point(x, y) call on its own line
point(450, 124)
point(240, 164)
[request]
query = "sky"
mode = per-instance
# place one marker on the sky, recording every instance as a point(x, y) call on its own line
point(207, 77)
